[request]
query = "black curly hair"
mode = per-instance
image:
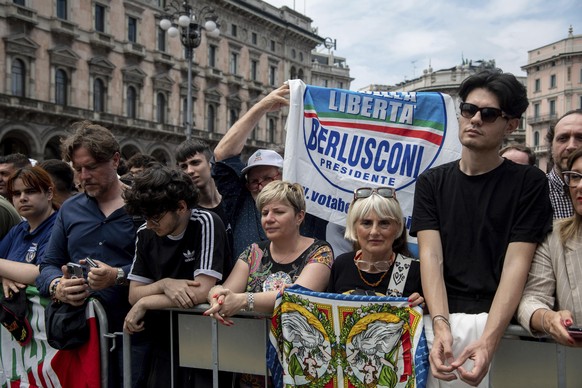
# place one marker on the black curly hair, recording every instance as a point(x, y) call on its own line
point(159, 189)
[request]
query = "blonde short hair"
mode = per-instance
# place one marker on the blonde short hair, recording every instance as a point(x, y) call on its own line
point(385, 208)
point(282, 191)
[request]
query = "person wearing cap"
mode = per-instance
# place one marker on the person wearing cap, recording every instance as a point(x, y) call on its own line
point(239, 185)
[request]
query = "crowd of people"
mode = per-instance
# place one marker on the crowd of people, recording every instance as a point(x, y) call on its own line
point(233, 235)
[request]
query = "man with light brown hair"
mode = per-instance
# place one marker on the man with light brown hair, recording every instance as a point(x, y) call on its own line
point(94, 224)
point(519, 154)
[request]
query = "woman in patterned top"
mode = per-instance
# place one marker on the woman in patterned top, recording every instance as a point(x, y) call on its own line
point(381, 265)
point(263, 269)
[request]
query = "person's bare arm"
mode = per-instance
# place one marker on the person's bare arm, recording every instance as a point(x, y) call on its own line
point(518, 258)
point(229, 301)
point(233, 142)
point(435, 295)
point(156, 296)
point(20, 272)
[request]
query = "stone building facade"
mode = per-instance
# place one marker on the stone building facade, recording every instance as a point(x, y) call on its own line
point(554, 87)
point(448, 81)
point(108, 61)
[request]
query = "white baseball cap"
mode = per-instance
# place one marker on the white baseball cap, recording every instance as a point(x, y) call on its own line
point(264, 158)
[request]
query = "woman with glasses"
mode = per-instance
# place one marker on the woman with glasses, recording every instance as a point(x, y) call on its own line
point(551, 303)
point(382, 264)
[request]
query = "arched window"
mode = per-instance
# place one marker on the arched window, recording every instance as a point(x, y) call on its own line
point(300, 74)
point(98, 95)
point(293, 74)
point(211, 118)
point(161, 108)
point(131, 102)
point(18, 78)
point(61, 86)
point(232, 117)
point(271, 130)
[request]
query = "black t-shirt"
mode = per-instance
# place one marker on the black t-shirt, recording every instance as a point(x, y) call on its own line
point(345, 277)
point(229, 258)
point(477, 217)
point(200, 251)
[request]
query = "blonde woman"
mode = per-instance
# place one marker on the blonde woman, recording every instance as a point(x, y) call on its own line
point(287, 257)
point(382, 264)
point(551, 303)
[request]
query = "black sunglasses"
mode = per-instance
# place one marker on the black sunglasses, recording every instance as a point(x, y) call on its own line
point(365, 192)
point(488, 115)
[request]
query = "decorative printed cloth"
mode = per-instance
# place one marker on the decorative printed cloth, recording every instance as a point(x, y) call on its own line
point(38, 364)
point(337, 340)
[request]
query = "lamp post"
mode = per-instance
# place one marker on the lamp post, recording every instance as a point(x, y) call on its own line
point(181, 19)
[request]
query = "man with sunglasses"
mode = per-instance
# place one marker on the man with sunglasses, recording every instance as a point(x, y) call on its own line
point(478, 221)
point(564, 138)
point(239, 185)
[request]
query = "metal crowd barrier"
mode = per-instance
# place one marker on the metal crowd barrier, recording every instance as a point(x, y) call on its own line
point(103, 325)
point(107, 344)
point(201, 342)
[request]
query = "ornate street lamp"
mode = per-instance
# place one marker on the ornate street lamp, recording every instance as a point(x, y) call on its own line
point(182, 19)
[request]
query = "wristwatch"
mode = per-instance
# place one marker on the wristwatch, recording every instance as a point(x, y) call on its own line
point(250, 301)
point(120, 280)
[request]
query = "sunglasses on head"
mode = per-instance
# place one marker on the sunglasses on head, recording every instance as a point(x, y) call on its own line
point(488, 115)
point(365, 192)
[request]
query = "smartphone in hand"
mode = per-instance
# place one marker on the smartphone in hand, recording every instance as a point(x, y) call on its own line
point(92, 263)
point(575, 332)
point(75, 270)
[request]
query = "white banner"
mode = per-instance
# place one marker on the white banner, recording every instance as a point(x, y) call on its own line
point(339, 140)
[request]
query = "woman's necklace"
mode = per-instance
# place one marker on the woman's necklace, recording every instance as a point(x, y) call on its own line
point(284, 259)
point(358, 256)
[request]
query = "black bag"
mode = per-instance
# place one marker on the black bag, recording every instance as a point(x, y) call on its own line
point(13, 316)
point(66, 325)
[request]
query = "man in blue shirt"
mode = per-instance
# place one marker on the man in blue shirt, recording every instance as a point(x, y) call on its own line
point(94, 224)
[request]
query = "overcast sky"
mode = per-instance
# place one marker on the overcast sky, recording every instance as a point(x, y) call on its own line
point(387, 41)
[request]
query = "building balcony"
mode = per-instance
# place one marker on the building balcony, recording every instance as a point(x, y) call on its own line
point(102, 39)
point(541, 150)
point(540, 119)
point(134, 49)
point(255, 86)
point(213, 73)
point(164, 58)
point(20, 13)
point(64, 27)
point(331, 70)
point(234, 79)
point(195, 68)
